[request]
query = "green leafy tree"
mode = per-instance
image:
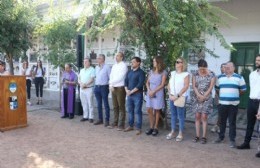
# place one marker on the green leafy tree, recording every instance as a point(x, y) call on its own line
point(58, 35)
point(164, 27)
point(17, 20)
point(58, 31)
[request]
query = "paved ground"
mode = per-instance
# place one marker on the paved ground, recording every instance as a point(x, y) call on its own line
point(51, 102)
point(51, 142)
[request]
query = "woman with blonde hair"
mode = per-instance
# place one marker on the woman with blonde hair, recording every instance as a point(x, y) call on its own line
point(155, 94)
point(177, 88)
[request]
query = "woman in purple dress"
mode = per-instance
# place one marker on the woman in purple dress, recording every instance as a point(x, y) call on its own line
point(155, 94)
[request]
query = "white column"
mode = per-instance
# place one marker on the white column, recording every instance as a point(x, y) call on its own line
point(99, 44)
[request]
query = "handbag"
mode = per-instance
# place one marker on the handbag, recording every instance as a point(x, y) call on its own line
point(180, 101)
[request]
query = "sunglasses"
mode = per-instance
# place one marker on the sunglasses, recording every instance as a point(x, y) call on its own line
point(178, 62)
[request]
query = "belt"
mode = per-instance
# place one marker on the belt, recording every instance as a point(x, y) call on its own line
point(119, 87)
point(138, 91)
point(101, 85)
point(256, 100)
point(88, 87)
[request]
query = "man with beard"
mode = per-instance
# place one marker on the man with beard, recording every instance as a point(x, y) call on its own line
point(253, 105)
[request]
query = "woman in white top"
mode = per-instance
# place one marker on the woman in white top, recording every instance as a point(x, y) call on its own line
point(177, 87)
point(28, 73)
point(39, 73)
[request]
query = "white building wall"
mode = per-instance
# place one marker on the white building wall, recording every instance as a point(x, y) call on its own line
point(244, 29)
point(106, 43)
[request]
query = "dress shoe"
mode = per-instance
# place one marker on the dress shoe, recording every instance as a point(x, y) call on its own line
point(91, 120)
point(120, 128)
point(257, 154)
point(129, 129)
point(138, 132)
point(244, 146)
point(98, 122)
point(112, 126)
point(217, 141)
point(106, 124)
point(71, 117)
point(232, 144)
point(84, 119)
point(63, 116)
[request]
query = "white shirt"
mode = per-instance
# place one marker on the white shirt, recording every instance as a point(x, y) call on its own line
point(177, 83)
point(39, 72)
point(254, 81)
point(118, 74)
point(27, 71)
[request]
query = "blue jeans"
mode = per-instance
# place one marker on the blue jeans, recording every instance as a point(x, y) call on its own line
point(101, 93)
point(174, 112)
point(134, 106)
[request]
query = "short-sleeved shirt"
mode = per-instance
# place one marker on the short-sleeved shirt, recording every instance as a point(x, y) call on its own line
point(229, 88)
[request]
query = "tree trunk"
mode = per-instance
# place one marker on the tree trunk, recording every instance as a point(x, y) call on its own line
point(10, 62)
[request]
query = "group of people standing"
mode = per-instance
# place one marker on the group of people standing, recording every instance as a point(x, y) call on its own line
point(128, 85)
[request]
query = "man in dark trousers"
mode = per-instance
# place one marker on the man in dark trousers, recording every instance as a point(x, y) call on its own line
point(253, 105)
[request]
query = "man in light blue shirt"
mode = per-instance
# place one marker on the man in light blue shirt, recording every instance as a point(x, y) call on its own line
point(101, 89)
point(86, 82)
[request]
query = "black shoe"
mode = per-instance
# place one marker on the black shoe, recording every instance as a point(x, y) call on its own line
point(38, 103)
point(257, 154)
point(149, 131)
point(91, 120)
point(106, 124)
point(98, 122)
point(244, 146)
point(155, 132)
point(63, 116)
point(217, 141)
point(84, 119)
point(71, 117)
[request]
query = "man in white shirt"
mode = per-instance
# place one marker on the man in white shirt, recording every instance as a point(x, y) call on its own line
point(116, 85)
point(253, 105)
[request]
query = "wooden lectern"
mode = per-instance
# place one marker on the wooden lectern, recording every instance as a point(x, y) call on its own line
point(13, 112)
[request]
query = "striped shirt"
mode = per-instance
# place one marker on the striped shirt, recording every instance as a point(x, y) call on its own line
point(229, 88)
